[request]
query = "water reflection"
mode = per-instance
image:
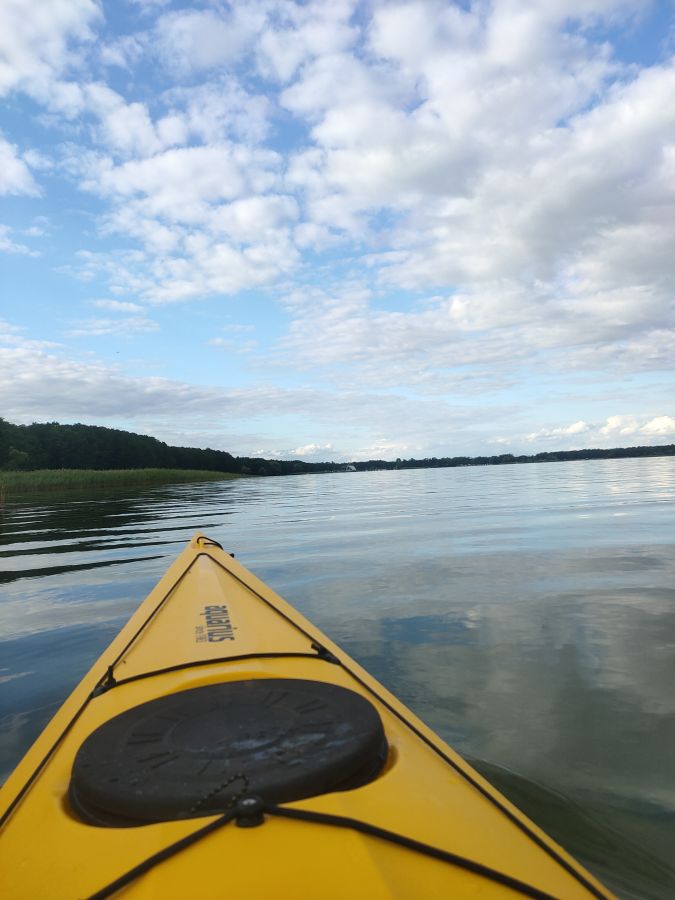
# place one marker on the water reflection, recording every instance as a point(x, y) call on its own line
point(595, 834)
point(526, 612)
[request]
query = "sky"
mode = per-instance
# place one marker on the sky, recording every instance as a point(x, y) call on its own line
point(340, 230)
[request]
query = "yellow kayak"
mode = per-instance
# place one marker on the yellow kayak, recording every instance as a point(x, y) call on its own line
point(223, 747)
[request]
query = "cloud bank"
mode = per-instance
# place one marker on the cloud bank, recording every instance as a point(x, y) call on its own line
point(441, 205)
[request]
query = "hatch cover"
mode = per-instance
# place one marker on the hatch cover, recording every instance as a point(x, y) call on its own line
point(193, 753)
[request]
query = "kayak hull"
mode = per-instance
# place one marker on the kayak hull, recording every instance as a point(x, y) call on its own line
point(211, 622)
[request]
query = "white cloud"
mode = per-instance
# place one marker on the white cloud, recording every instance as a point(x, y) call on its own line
point(127, 128)
point(560, 432)
point(35, 39)
point(302, 32)
point(281, 36)
point(629, 426)
point(624, 429)
point(7, 245)
point(341, 324)
point(117, 306)
point(205, 39)
point(124, 327)
point(389, 449)
point(8, 332)
point(576, 428)
point(319, 451)
point(248, 220)
point(660, 425)
point(15, 176)
point(222, 109)
point(622, 426)
point(125, 51)
point(203, 215)
point(12, 336)
point(180, 185)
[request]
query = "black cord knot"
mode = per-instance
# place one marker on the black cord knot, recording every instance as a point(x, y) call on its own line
point(249, 811)
point(324, 654)
point(106, 683)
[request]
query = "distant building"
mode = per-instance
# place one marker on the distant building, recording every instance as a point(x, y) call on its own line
point(350, 468)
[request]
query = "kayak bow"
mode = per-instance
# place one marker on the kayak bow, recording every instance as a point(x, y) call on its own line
point(223, 747)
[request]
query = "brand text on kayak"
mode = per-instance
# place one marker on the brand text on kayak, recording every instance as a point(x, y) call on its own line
point(218, 625)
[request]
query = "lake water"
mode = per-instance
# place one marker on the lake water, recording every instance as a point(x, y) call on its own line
point(526, 613)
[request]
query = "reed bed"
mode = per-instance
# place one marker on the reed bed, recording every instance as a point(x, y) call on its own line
point(79, 479)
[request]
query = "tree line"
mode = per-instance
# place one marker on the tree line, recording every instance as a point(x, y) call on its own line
point(440, 462)
point(54, 446)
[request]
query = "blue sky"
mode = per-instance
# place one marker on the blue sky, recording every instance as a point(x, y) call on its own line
point(340, 230)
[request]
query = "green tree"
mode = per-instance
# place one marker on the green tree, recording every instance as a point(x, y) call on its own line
point(16, 459)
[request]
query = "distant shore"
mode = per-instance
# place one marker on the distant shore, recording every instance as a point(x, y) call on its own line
point(49, 451)
point(80, 479)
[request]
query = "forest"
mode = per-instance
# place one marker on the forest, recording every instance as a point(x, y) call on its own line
point(54, 446)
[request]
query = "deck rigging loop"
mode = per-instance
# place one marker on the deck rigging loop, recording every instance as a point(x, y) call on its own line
point(250, 812)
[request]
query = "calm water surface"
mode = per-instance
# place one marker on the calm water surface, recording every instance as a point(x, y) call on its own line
point(527, 613)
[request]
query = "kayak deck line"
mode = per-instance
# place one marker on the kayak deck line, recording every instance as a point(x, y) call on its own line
point(213, 593)
point(249, 813)
point(109, 681)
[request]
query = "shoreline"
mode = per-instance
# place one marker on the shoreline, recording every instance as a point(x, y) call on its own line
point(38, 480)
point(14, 482)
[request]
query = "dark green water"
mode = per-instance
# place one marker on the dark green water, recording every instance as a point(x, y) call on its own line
point(527, 613)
